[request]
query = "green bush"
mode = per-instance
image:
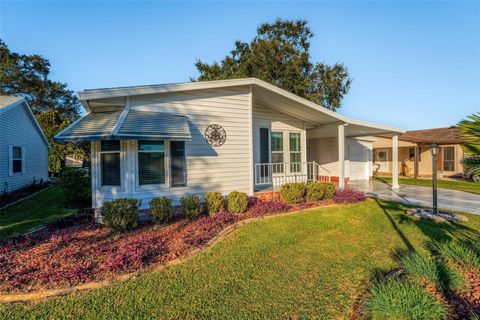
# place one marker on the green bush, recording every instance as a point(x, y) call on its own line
point(396, 299)
point(237, 202)
point(329, 189)
point(214, 201)
point(190, 206)
point(76, 185)
point(315, 191)
point(161, 209)
point(293, 193)
point(121, 214)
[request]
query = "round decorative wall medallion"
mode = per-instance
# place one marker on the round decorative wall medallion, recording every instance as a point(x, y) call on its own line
point(215, 135)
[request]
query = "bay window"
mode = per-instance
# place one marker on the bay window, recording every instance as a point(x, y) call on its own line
point(151, 162)
point(110, 162)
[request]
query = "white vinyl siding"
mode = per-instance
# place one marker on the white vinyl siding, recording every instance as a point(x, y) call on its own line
point(275, 121)
point(223, 169)
point(18, 130)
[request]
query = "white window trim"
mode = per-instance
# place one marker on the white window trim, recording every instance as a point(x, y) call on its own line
point(299, 164)
point(153, 187)
point(113, 189)
point(11, 159)
point(286, 150)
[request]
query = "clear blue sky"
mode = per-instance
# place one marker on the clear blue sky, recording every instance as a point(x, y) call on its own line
point(414, 64)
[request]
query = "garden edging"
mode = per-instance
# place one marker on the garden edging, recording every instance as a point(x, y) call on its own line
point(50, 293)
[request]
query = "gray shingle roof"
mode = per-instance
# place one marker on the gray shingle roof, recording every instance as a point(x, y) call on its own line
point(131, 125)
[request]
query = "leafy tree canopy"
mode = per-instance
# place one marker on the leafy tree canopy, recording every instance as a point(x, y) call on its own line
point(279, 54)
point(53, 122)
point(470, 131)
point(27, 75)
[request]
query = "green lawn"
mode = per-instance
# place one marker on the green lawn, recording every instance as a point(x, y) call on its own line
point(307, 265)
point(33, 212)
point(467, 186)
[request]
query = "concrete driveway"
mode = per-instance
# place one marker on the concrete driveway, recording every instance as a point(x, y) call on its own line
point(416, 195)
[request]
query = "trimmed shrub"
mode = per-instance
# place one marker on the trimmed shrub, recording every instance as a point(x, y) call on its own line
point(237, 202)
point(190, 206)
point(76, 185)
point(161, 209)
point(293, 193)
point(329, 189)
point(349, 195)
point(315, 191)
point(121, 214)
point(395, 299)
point(215, 202)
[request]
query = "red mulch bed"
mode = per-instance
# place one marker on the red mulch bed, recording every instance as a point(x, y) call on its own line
point(86, 251)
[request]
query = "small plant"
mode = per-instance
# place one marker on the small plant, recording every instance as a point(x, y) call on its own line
point(237, 202)
point(161, 209)
point(315, 191)
point(396, 299)
point(329, 191)
point(349, 195)
point(190, 206)
point(120, 215)
point(76, 185)
point(450, 277)
point(293, 193)
point(458, 252)
point(214, 201)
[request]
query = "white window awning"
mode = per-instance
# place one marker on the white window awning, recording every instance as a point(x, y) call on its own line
point(127, 125)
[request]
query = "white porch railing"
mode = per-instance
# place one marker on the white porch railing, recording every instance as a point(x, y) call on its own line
point(277, 174)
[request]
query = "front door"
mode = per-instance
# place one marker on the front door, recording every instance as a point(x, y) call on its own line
point(357, 154)
point(382, 160)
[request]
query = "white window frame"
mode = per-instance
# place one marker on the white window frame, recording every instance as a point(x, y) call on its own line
point(296, 164)
point(11, 159)
point(166, 162)
point(121, 152)
point(275, 165)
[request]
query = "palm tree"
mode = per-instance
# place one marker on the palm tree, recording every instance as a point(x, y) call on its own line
point(470, 131)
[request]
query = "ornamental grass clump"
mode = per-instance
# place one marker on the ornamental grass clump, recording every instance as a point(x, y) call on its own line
point(190, 206)
point(349, 195)
point(422, 266)
point(120, 215)
point(461, 253)
point(215, 202)
point(293, 193)
point(161, 210)
point(396, 299)
point(237, 202)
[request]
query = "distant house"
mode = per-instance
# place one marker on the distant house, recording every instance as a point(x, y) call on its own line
point(23, 146)
point(415, 159)
point(243, 134)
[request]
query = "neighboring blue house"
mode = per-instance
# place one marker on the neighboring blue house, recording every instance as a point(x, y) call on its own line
point(23, 146)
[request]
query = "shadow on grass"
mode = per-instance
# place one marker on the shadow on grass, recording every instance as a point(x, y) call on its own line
point(394, 206)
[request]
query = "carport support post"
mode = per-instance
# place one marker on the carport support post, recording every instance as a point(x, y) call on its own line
point(341, 155)
point(395, 162)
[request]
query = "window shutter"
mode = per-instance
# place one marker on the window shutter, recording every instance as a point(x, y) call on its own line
point(10, 160)
point(23, 160)
point(177, 153)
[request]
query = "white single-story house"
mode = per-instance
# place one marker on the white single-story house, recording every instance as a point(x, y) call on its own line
point(243, 134)
point(23, 146)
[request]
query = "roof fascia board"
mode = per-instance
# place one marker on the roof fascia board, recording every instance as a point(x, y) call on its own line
point(166, 88)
